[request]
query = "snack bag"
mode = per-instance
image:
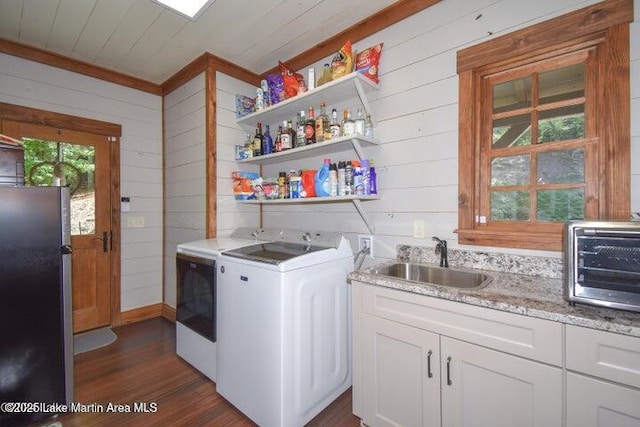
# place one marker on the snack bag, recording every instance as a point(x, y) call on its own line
point(342, 62)
point(293, 81)
point(368, 61)
point(244, 106)
point(276, 88)
point(243, 184)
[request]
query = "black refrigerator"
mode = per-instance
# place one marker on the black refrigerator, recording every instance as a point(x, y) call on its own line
point(36, 335)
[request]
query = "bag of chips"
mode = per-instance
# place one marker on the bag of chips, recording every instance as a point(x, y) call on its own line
point(342, 62)
point(276, 88)
point(293, 82)
point(368, 61)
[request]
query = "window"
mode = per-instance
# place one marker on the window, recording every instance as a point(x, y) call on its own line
point(544, 131)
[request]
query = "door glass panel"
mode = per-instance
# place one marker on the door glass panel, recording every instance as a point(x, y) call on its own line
point(561, 124)
point(560, 205)
point(510, 205)
point(511, 170)
point(511, 131)
point(561, 166)
point(561, 84)
point(63, 164)
point(512, 95)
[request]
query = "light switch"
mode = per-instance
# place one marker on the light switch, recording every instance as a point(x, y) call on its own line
point(418, 229)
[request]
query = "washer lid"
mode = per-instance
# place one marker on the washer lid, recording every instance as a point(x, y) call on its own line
point(213, 247)
point(273, 252)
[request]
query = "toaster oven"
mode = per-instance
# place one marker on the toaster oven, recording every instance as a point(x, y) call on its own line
point(602, 264)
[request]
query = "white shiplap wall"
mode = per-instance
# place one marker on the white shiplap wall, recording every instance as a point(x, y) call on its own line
point(416, 109)
point(185, 173)
point(185, 168)
point(230, 215)
point(35, 85)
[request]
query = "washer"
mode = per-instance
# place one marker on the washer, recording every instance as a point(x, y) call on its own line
point(196, 329)
point(284, 326)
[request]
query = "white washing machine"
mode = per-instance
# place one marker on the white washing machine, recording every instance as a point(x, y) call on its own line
point(196, 330)
point(284, 326)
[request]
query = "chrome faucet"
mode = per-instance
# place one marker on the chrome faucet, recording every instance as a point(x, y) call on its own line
point(441, 249)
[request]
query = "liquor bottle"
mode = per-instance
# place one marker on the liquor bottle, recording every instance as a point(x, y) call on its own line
point(278, 144)
point(368, 127)
point(348, 125)
point(335, 126)
point(323, 127)
point(310, 128)
point(300, 130)
point(257, 141)
point(285, 138)
point(359, 123)
point(267, 142)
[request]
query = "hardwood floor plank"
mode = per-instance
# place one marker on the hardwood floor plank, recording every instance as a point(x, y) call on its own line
point(142, 367)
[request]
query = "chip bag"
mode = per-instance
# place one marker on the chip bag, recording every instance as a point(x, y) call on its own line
point(293, 82)
point(342, 62)
point(368, 62)
point(276, 88)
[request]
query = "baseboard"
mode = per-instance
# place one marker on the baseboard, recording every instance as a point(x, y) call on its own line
point(141, 313)
point(147, 312)
point(169, 313)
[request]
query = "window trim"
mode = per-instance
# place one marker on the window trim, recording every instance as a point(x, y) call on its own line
point(604, 25)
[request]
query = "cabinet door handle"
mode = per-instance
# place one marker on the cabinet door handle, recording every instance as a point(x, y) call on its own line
point(429, 373)
point(449, 382)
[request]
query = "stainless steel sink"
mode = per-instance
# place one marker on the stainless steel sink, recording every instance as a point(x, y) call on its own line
point(434, 275)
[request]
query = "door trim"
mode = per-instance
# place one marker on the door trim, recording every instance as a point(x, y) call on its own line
point(19, 113)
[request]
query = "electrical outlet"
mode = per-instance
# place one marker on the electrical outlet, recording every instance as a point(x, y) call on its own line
point(366, 241)
point(418, 229)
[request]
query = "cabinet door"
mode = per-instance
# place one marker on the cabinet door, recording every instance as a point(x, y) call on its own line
point(400, 374)
point(482, 387)
point(596, 403)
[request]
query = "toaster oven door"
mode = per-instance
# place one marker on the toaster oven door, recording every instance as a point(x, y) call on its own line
point(607, 267)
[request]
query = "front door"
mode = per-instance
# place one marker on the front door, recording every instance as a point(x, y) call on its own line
point(81, 161)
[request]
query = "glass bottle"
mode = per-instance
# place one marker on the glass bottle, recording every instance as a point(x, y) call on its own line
point(267, 142)
point(348, 125)
point(322, 123)
point(368, 127)
point(310, 128)
point(335, 126)
point(359, 123)
point(285, 138)
point(278, 144)
point(300, 129)
point(257, 141)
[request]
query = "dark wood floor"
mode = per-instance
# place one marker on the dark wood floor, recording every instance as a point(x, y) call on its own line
point(142, 366)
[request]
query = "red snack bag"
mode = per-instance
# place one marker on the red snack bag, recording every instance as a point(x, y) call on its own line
point(368, 61)
point(292, 81)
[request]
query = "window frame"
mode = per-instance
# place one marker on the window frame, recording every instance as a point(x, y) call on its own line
point(602, 28)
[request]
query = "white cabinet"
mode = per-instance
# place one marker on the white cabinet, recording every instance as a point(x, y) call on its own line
point(612, 399)
point(592, 402)
point(401, 374)
point(483, 387)
point(352, 87)
point(400, 338)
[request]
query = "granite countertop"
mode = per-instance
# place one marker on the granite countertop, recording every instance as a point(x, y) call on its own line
point(516, 293)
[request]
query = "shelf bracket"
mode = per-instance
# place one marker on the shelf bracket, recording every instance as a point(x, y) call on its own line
point(358, 205)
point(357, 147)
point(363, 99)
